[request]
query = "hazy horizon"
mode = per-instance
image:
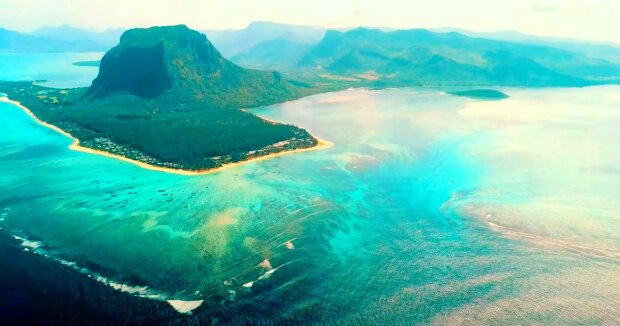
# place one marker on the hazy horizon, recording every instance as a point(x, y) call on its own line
point(573, 19)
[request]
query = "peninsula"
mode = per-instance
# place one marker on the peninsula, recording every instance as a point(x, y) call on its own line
point(166, 99)
point(484, 94)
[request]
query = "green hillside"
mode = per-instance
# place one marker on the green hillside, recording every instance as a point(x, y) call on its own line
point(421, 57)
point(181, 65)
point(166, 96)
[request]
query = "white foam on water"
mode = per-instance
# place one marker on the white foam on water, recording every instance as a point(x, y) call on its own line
point(185, 307)
point(28, 243)
point(67, 263)
point(140, 291)
point(267, 274)
point(32, 244)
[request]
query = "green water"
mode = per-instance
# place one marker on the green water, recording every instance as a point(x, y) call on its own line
point(429, 208)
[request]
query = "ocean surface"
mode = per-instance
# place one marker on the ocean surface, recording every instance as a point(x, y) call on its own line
point(429, 208)
point(52, 69)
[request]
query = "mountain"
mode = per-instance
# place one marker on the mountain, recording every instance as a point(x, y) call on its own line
point(596, 50)
point(165, 96)
point(11, 41)
point(414, 57)
point(234, 42)
point(279, 54)
point(67, 33)
point(180, 64)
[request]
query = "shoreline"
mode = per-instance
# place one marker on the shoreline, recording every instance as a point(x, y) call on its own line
point(75, 145)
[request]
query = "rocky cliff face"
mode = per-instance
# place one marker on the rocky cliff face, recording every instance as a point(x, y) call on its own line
point(182, 64)
point(149, 62)
point(138, 70)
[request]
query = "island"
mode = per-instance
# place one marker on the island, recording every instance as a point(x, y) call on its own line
point(166, 99)
point(93, 63)
point(487, 94)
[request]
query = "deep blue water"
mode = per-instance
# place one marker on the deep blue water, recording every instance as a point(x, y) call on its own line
point(427, 209)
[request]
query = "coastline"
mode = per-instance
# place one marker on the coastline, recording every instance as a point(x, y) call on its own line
point(75, 145)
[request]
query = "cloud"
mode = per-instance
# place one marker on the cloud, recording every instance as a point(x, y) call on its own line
point(583, 19)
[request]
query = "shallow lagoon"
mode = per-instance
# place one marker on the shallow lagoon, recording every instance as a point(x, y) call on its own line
point(429, 208)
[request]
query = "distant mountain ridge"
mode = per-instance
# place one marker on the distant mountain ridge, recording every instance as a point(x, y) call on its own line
point(597, 50)
point(289, 48)
point(234, 42)
point(421, 56)
point(58, 39)
point(11, 41)
point(278, 54)
point(414, 57)
point(68, 33)
point(167, 97)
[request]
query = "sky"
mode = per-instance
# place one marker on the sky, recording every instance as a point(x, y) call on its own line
point(597, 20)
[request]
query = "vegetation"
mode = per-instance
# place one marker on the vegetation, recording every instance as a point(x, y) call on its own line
point(35, 289)
point(367, 57)
point(165, 96)
point(177, 64)
point(481, 94)
point(597, 50)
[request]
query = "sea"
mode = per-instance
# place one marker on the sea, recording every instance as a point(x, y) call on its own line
point(428, 209)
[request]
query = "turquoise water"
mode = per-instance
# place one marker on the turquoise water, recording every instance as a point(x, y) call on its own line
point(56, 68)
point(429, 208)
